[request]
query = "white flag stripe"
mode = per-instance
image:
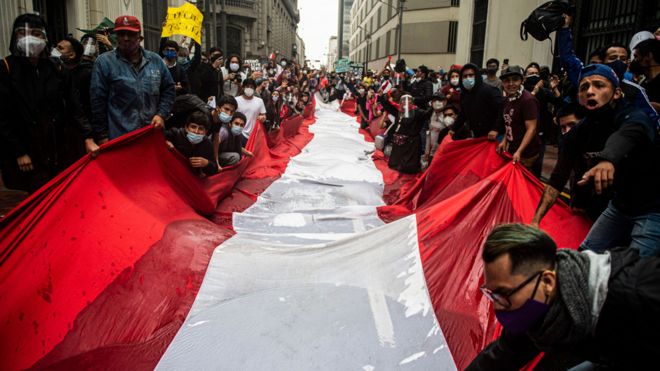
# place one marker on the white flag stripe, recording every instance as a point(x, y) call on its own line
point(302, 286)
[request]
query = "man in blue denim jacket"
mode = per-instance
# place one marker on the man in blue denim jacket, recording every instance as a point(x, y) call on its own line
point(131, 87)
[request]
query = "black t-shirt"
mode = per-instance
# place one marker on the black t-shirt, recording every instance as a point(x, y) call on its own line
point(515, 114)
point(653, 89)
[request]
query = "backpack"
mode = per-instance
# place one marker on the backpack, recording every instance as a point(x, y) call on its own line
point(545, 19)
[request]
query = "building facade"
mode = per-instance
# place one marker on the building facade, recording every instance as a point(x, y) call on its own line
point(63, 17)
point(429, 32)
point(332, 52)
point(253, 28)
point(344, 28)
point(438, 33)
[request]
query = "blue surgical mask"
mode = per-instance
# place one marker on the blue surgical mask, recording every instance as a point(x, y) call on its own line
point(224, 118)
point(169, 54)
point(468, 83)
point(194, 138)
point(236, 130)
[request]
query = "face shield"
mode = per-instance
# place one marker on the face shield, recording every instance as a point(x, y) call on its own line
point(30, 40)
point(89, 47)
point(405, 102)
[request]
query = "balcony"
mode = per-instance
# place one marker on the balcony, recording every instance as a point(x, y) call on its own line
point(241, 8)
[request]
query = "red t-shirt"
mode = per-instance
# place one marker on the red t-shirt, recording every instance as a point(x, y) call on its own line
point(515, 114)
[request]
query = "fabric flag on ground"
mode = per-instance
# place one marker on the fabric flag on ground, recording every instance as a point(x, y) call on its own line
point(127, 261)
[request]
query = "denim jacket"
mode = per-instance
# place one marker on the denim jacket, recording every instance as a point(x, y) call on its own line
point(125, 98)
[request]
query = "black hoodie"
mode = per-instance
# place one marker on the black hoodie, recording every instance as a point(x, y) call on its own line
point(481, 106)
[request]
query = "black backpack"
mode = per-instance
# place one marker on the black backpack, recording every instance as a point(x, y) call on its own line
point(545, 19)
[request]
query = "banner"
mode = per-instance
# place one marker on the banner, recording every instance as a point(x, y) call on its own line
point(185, 20)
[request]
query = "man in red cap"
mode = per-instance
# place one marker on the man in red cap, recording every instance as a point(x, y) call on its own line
point(131, 87)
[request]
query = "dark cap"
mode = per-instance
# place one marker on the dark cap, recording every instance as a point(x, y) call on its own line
point(511, 71)
point(438, 96)
point(127, 23)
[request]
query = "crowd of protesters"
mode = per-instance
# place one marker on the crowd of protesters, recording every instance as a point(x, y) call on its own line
point(63, 99)
point(602, 114)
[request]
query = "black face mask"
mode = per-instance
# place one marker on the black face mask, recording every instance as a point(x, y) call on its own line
point(636, 68)
point(619, 67)
point(491, 71)
point(531, 81)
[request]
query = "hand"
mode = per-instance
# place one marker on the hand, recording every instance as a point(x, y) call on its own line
point(103, 39)
point(261, 117)
point(25, 163)
point(248, 153)
point(492, 135)
point(170, 146)
point(103, 141)
point(516, 157)
point(426, 157)
point(91, 147)
point(568, 21)
point(157, 122)
point(451, 134)
point(554, 82)
point(198, 162)
point(602, 174)
point(501, 147)
point(537, 87)
point(535, 224)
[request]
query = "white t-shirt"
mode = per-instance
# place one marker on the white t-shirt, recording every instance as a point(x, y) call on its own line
point(251, 108)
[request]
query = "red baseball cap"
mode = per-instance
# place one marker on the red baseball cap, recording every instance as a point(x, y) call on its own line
point(127, 23)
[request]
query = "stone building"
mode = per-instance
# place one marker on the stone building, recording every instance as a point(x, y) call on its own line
point(254, 28)
point(438, 33)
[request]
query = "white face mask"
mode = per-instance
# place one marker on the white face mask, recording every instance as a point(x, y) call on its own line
point(55, 53)
point(283, 63)
point(233, 66)
point(248, 92)
point(454, 81)
point(448, 120)
point(30, 46)
point(275, 98)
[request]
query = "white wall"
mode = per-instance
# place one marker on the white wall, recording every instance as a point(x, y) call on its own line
point(9, 10)
point(502, 33)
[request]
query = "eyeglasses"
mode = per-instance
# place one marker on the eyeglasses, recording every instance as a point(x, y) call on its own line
point(503, 298)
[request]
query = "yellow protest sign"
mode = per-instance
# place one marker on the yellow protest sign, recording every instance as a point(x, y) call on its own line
point(185, 20)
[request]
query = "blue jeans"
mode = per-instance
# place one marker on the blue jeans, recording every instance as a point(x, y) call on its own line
point(614, 228)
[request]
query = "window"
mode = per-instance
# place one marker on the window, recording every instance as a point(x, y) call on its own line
point(479, 31)
point(603, 22)
point(451, 37)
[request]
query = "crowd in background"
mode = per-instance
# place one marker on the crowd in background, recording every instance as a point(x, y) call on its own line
point(62, 99)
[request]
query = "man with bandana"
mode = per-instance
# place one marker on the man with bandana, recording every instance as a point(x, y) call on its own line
point(598, 311)
point(611, 150)
point(39, 107)
point(131, 87)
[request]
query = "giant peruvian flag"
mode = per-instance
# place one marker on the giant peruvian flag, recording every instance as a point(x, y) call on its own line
point(288, 260)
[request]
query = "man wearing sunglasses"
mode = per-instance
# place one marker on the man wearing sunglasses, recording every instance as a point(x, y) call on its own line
point(576, 307)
